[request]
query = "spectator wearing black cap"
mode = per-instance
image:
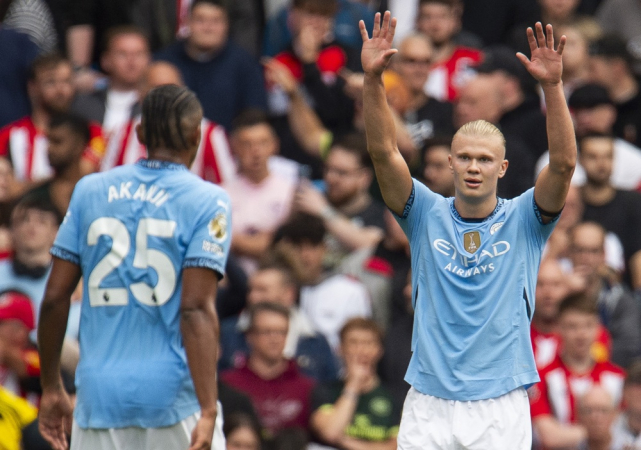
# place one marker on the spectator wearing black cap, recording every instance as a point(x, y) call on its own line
point(520, 104)
point(593, 112)
point(611, 66)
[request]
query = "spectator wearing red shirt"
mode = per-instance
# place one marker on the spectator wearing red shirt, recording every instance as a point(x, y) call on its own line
point(553, 400)
point(280, 394)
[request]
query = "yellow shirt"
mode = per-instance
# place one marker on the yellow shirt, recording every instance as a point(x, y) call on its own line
point(15, 414)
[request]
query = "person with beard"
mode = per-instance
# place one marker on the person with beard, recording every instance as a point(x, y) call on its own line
point(353, 219)
point(24, 142)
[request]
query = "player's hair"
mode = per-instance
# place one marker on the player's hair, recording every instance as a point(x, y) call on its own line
point(122, 30)
point(275, 308)
point(633, 373)
point(326, 8)
point(237, 420)
point(356, 144)
point(222, 4)
point(250, 118)
point(302, 228)
point(169, 113)
point(480, 129)
point(46, 61)
point(361, 323)
point(32, 200)
point(78, 125)
point(580, 302)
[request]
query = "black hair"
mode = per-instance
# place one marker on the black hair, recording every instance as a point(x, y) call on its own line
point(302, 228)
point(222, 4)
point(164, 111)
point(46, 61)
point(78, 125)
point(32, 200)
point(238, 420)
point(356, 144)
point(249, 118)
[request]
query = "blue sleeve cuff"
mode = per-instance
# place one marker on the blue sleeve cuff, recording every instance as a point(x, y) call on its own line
point(408, 204)
point(205, 263)
point(553, 216)
point(61, 253)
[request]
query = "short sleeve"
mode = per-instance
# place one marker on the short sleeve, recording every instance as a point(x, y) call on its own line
point(67, 243)
point(531, 216)
point(211, 239)
point(418, 204)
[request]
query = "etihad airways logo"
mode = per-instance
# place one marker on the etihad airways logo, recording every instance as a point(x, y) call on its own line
point(481, 262)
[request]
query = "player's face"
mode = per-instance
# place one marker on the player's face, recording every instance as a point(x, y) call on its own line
point(439, 22)
point(33, 230)
point(268, 286)
point(632, 402)
point(208, 27)
point(477, 163)
point(578, 332)
point(436, 173)
point(253, 146)
point(587, 251)
point(65, 147)
point(53, 88)
point(242, 438)
point(361, 347)
point(267, 336)
point(344, 177)
point(550, 290)
point(414, 61)
point(127, 59)
point(596, 157)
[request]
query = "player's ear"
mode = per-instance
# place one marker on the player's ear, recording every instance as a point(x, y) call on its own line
point(141, 134)
point(449, 161)
point(503, 169)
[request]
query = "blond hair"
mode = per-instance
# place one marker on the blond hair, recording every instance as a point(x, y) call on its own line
point(480, 129)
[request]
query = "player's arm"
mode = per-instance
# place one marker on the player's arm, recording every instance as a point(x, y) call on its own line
point(546, 66)
point(555, 435)
point(391, 170)
point(199, 327)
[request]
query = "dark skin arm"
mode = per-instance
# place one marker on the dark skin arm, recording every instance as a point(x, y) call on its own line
point(199, 327)
point(55, 407)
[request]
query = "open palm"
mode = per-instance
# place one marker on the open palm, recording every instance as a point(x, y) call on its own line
point(545, 63)
point(378, 50)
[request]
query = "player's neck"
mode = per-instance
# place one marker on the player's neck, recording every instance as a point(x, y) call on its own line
point(170, 156)
point(579, 365)
point(265, 369)
point(480, 210)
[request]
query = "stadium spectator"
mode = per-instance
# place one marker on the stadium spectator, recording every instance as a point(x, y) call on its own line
point(225, 78)
point(520, 105)
point(67, 137)
point(275, 283)
point(554, 399)
point(284, 25)
point(626, 432)
point(611, 66)
point(279, 392)
point(353, 219)
point(357, 411)
point(436, 172)
point(451, 63)
point(623, 18)
point(18, 53)
point(24, 142)
point(213, 161)
point(618, 309)
point(329, 301)
point(261, 198)
point(425, 117)
point(125, 60)
point(429, 18)
point(241, 433)
point(16, 414)
point(615, 210)
point(480, 99)
point(597, 411)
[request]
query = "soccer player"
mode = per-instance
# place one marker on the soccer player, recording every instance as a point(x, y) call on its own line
point(474, 262)
point(150, 241)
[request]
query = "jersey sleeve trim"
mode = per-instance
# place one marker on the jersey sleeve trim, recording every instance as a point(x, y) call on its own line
point(205, 263)
point(61, 253)
point(541, 212)
point(408, 204)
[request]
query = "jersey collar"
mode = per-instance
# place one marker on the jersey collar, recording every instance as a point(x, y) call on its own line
point(156, 164)
point(457, 216)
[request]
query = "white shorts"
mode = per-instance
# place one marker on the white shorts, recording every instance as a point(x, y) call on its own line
point(175, 437)
point(431, 423)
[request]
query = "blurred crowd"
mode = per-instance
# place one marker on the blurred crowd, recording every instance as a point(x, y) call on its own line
point(315, 307)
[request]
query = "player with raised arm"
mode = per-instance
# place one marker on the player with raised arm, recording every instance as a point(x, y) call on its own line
point(150, 241)
point(474, 262)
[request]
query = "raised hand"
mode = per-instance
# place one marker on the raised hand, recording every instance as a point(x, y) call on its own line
point(545, 63)
point(378, 51)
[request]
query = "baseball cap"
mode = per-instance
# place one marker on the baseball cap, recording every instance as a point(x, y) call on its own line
point(17, 306)
point(502, 58)
point(589, 96)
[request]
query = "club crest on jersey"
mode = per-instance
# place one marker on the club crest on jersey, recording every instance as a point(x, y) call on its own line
point(472, 241)
point(218, 227)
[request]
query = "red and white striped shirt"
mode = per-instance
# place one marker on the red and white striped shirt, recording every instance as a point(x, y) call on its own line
point(26, 147)
point(214, 161)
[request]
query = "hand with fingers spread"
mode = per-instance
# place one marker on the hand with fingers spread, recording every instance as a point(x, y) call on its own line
point(545, 63)
point(378, 51)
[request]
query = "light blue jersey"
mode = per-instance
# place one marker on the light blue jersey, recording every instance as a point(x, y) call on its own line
point(132, 230)
point(473, 285)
